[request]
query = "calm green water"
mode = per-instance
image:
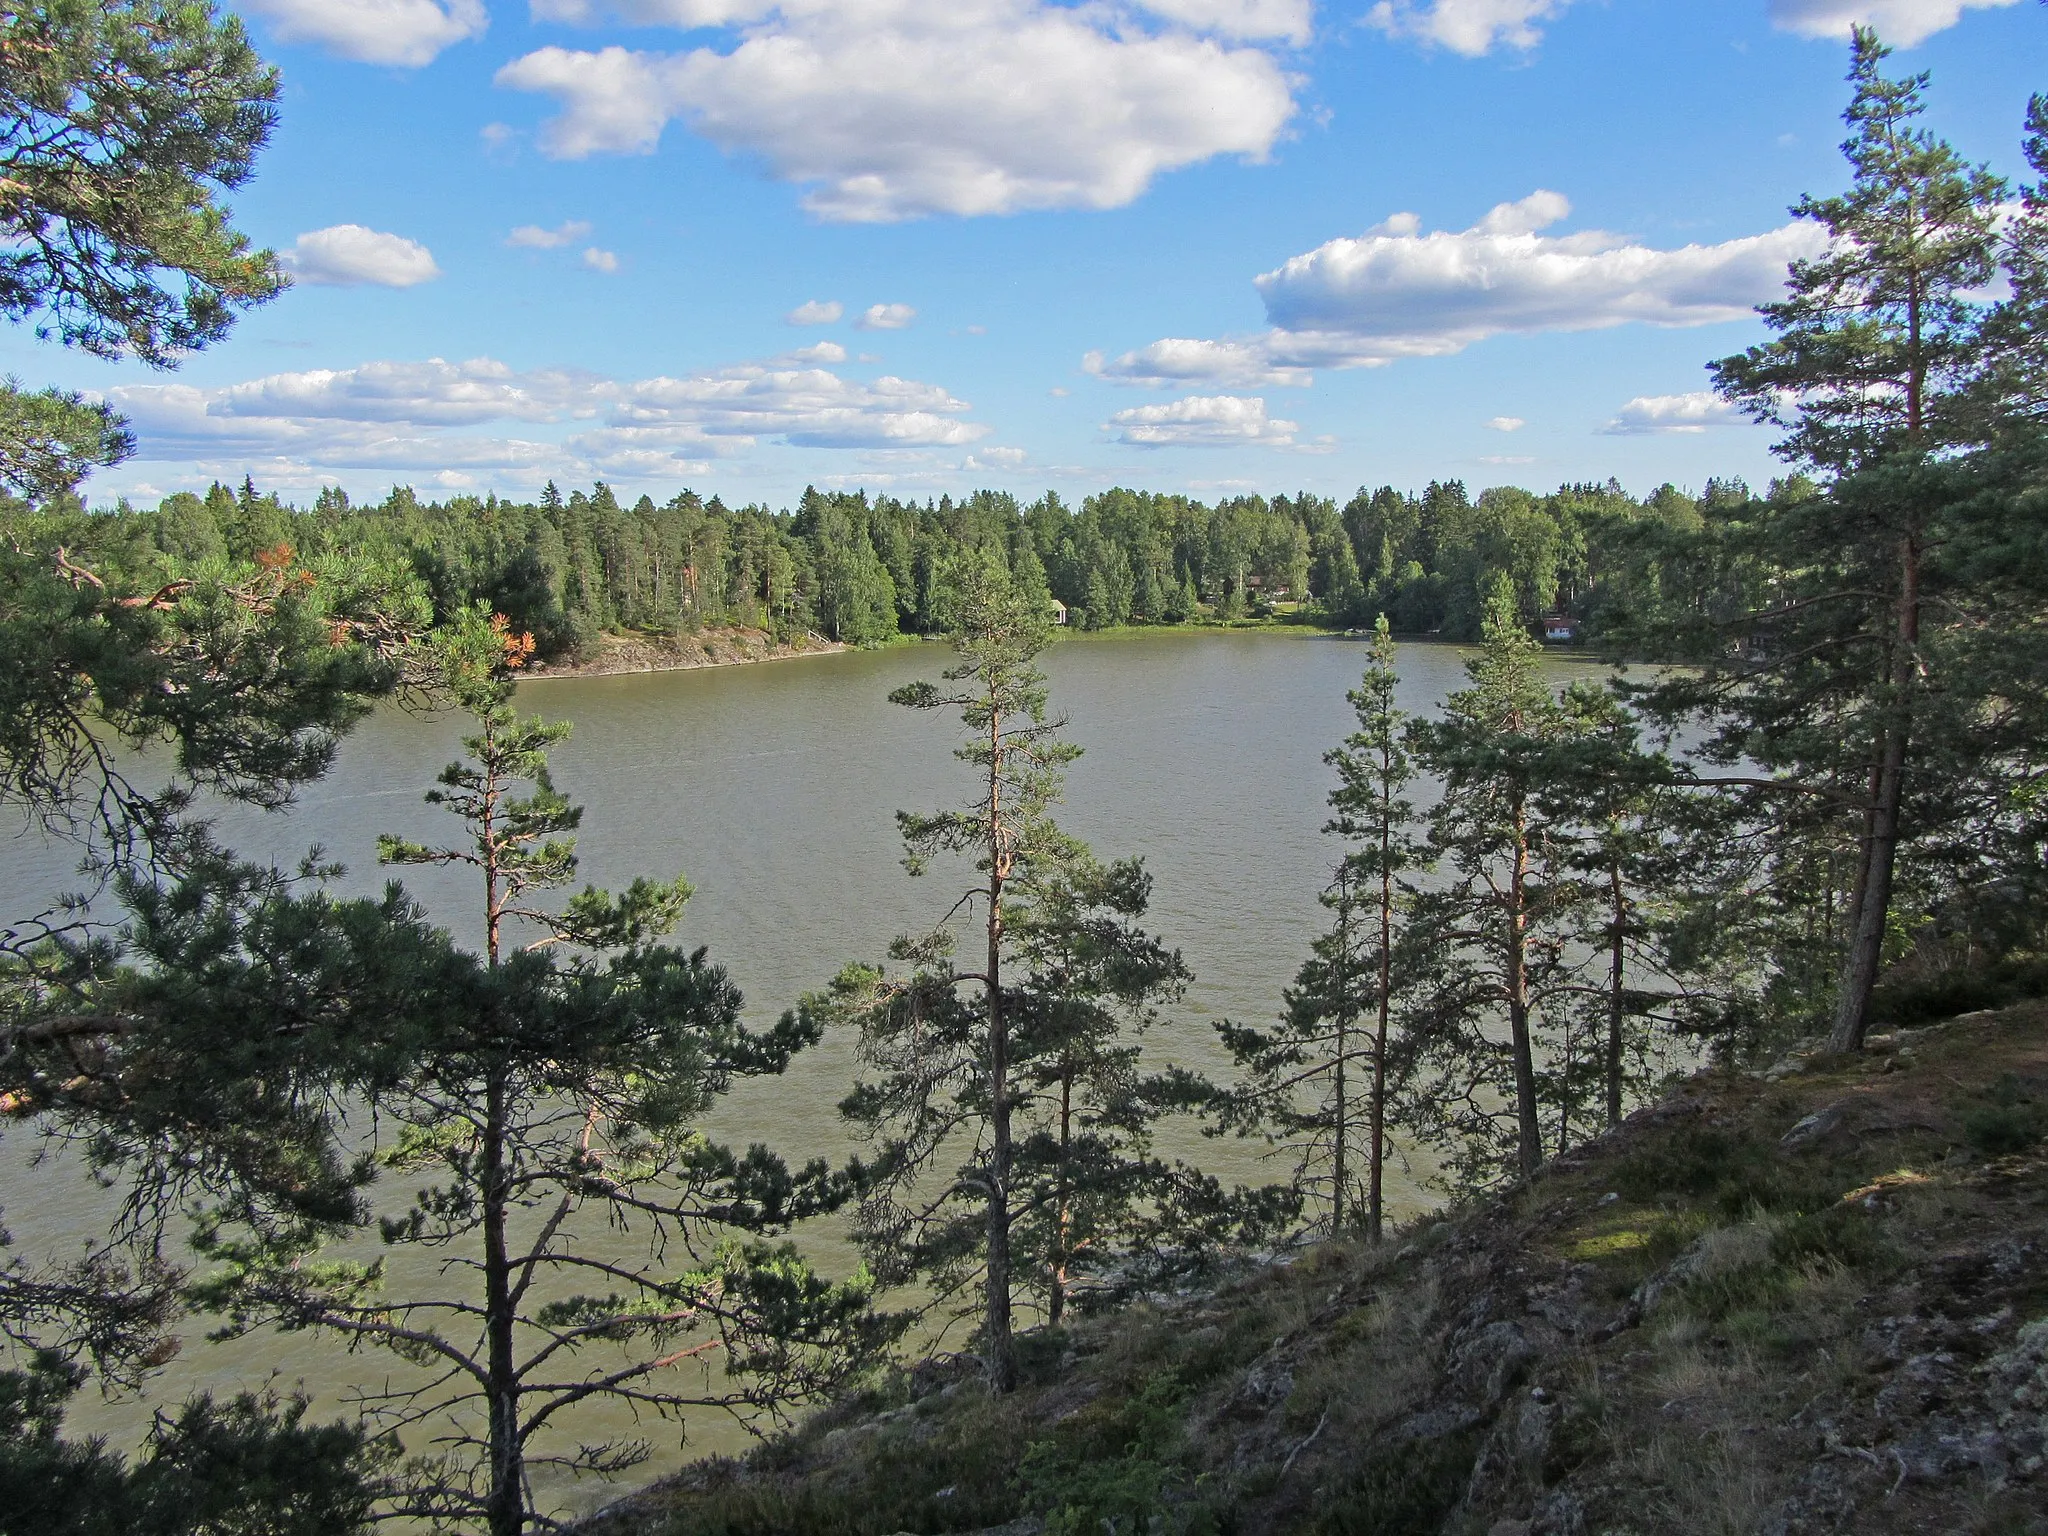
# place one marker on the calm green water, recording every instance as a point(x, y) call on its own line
point(774, 787)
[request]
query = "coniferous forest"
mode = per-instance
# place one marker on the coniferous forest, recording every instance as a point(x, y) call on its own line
point(1804, 811)
point(863, 570)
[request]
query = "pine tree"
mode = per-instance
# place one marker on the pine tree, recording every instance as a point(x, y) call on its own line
point(1086, 1188)
point(526, 1099)
point(1484, 940)
point(1839, 684)
point(939, 1066)
point(1324, 1081)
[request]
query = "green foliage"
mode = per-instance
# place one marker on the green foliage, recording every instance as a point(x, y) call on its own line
point(120, 123)
point(50, 439)
point(1115, 1468)
point(251, 1466)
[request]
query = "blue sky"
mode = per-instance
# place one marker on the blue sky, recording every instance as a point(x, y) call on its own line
point(932, 245)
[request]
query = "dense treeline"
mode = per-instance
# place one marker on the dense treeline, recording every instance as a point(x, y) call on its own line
point(861, 569)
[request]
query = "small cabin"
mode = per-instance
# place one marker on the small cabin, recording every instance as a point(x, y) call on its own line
point(1059, 611)
point(1560, 629)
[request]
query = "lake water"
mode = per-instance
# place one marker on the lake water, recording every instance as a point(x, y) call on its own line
point(773, 788)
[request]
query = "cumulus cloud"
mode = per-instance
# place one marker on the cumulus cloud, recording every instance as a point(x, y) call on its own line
point(1658, 414)
point(346, 255)
point(1507, 423)
point(1395, 292)
point(1201, 421)
point(533, 237)
point(816, 312)
point(436, 414)
point(408, 33)
point(1904, 22)
point(1287, 20)
point(1470, 27)
point(600, 260)
point(996, 459)
point(1176, 360)
point(896, 109)
point(885, 317)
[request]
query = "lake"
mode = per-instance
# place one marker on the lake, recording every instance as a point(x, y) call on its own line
point(773, 787)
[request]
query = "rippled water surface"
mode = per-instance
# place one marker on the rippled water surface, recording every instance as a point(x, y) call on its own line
point(773, 788)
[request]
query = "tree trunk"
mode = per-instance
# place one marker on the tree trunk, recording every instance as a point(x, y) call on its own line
point(1874, 895)
point(1617, 957)
point(1376, 1111)
point(1002, 1351)
point(1063, 1214)
point(1529, 1133)
point(1342, 1097)
point(505, 1511)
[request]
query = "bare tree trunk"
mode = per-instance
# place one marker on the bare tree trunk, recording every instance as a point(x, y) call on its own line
point(1617, 959)
point(1342, 1096)
point(1376, 1111)
point(1056, 1302)
point(1529, 1133)
point(1874, 893)
point(1002, 1351)
point(505, 1511)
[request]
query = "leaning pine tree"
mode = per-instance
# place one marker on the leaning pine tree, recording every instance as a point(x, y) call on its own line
point(533, 1103)
point(1320, 1081)
point(1858, 671)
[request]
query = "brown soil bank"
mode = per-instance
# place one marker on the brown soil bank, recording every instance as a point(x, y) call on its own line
point(1810, 1301)
point(705, 648)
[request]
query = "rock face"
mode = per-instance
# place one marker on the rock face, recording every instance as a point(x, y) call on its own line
point(1813, 1302)
point(704, 648)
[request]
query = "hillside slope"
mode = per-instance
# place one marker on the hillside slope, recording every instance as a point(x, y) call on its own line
point(1812, 1301)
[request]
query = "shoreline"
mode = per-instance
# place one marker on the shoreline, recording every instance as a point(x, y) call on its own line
point(621, 655)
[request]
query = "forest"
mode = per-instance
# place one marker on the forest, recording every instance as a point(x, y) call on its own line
point(862, 570)
point(1820, 811)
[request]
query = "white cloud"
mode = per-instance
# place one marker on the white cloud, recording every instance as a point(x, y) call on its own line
point(1507, 423)
point(1175, 360)
point(1400, 293)
point(345, 255)
point(816, 312)
point(600, 260)
point(1904, 22)
point(434, 415)
point(1396, 292)
point(1287, 20)
point(995, 459)
point(1202, 421)
point(409, 33)
point(895, 109)
point(1507, 459)
point(533, 237)
point(1661, 414)
point(885, 317)
point(1470, 27)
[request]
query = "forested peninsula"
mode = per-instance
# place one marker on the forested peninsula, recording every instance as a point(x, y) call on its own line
point(862, 570)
